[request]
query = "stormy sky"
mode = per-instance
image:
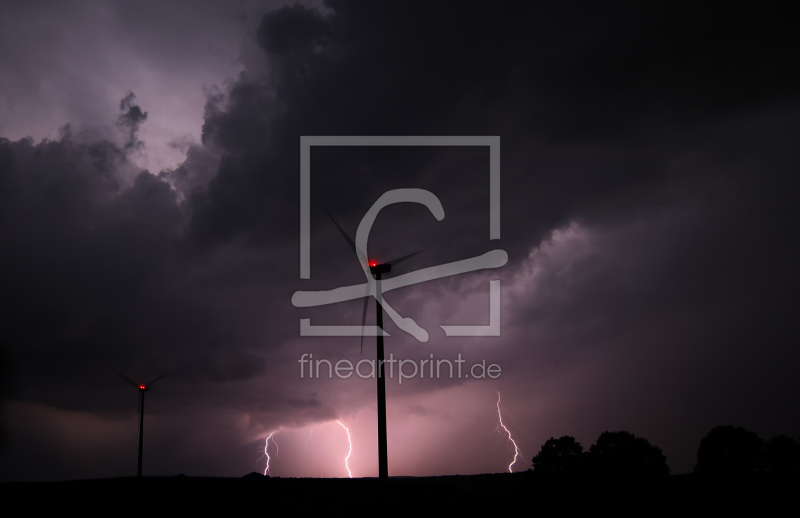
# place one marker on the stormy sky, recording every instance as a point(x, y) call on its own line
point(150, 223)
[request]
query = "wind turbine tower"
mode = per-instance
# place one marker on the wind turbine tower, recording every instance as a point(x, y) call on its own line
point(377, 270)
point(142, 389)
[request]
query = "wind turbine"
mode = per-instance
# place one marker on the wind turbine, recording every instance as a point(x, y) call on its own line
point(142, 389)
point(377, 270)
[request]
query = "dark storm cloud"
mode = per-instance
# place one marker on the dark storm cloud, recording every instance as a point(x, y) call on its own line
point(131, 118)
point(608, 115)
point(627, 65)
point(86, 252)
point(100, 275)
point(292, 32)
point(543, 76)
point(655, 139)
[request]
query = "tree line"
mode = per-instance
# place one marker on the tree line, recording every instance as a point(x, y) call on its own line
point(724, 451)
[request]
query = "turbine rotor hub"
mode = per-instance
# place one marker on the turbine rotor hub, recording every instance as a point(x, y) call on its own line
point(380, 268)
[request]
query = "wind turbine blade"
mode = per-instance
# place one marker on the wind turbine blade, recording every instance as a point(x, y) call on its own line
point(128, 380)
point(401, 259)
point(344, 234)
point(361, 256)
point(364, 315)
point(154, 381)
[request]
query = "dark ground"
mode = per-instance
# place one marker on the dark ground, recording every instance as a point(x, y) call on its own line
point(474, 495)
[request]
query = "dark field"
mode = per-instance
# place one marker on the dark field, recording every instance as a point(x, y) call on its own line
point(474, 495)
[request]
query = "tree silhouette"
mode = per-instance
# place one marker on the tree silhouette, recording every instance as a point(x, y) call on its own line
point(730, 450)
point(783, 456)
point(622, 454)
point(559, 456)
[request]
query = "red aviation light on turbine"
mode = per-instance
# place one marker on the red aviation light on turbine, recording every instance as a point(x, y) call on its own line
point(373, 263)
point(141, 387)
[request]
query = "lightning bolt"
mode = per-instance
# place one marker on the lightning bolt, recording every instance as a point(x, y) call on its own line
point(266, 451)
point(349, 442)
point(309, 437)
point(517, 453)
